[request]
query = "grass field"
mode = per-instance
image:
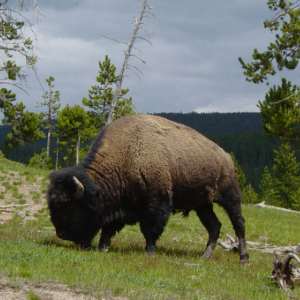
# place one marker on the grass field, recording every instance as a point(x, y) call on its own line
point(30, 251)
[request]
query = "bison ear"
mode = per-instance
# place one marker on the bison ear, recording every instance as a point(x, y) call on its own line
point(79, 188)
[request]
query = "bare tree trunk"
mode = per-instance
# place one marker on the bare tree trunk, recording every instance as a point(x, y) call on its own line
point(124, 67)
point(77, 149)
point(48, 143)
point(56, 160)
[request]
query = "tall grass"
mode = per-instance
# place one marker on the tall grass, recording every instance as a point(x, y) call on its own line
point(31, 251)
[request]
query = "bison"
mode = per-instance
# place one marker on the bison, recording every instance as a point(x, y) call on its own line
point(141, 168)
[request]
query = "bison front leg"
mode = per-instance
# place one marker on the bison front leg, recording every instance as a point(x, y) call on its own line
point(212, 225)
point(152, 227)
point(108, 231)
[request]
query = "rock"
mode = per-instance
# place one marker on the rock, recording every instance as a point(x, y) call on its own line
point(21, 214)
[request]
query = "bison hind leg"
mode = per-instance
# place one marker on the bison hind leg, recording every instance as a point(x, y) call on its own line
point(212, 224)
point(232, 205)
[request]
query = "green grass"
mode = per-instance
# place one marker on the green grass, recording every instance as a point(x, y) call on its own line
point(7, 166)
point(30, 250)
point(34, 253)
point(33, 296)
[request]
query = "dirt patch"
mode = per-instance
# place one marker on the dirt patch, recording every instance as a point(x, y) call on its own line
point(44, 292)
point(21, 195)
point(49, 291)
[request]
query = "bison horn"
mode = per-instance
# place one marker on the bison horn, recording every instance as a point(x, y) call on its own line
point(79, 188)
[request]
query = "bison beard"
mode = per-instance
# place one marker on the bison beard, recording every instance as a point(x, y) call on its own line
point(141, 168)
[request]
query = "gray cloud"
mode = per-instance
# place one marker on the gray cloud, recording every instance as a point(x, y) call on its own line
point(192, 64)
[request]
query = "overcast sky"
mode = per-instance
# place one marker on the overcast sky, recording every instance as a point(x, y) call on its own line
point(192, 64)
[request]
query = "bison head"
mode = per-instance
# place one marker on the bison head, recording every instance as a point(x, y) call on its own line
point(71, 209)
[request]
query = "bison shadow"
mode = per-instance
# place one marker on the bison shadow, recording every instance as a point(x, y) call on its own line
point(127, 249)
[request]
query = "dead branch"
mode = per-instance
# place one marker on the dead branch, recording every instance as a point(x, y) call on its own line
point(282, 100)
point(232, 244)
point(271, 249)
point(6, 207)
point(285, 274)
point(128, 53)
point(262, 204)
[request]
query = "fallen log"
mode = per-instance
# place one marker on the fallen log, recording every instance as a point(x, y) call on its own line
point(285, 274)
point(232, 244)
point(271, 249)
point(262, 204)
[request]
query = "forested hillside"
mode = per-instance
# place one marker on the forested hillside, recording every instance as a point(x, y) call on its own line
point(239, 133)
point(218, 123)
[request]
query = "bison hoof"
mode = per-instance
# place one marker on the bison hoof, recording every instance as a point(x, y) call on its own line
point(150, 250)
point(150, 253)
point(103, 250)
point(244, 259)
point(206, 255)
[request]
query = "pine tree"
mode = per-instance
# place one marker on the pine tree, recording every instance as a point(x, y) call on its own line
point(24, 125)
point(101, 96)
point(52, 99)
point(285, 174)
point(73, 129)
point(281, 118)
point(284, 51)
point(248, 193)
point(240, 174)
point(282, 111)
point(15, 42)
point(267, 187)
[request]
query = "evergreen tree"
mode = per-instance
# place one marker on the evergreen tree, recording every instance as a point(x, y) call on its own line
point(267, 187)
point(73, 129)
point(41, 161)
point(284, 53)
point(240, 174)
point(52, 105)
point(24, 126)
point(285, 174)
point(248, 193)
point(15, 42)
point(101, 95)
point(296, 200)
point(281, 118)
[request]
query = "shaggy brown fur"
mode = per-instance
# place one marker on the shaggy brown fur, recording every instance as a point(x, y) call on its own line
point(139, 169)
